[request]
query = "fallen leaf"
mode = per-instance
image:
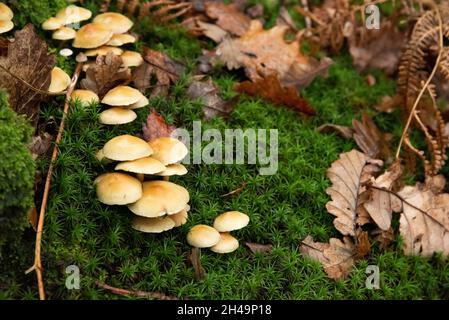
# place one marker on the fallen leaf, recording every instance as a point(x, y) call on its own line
point(228, 17)
point(156, 127)
point(337, 257)
point(27, 58)
point(349, 176)
point(370, 139)
point(388, 104)
point(345, 132)
point(259, 248)
point(208, 92)
point(105, 74)
point(40, 144)
point(195, 260)
point(258, 52)
point(271, 90)
point(159, 66)
point(255, 11)
point(284, 19)
point(362, 245)
point(213, 31)
point(32, 217)
point(424, 221)
point(384, 238)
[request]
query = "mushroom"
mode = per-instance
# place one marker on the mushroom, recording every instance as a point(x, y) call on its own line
point(6, 13)
point(152, 225)
point(116, 22)
point(202, 236)
point(227, 243)
point(139, 104)
point(146, 165)
point(103, 50)
point(116, 115)
point(175, 169)
point(180, 218)
point(117, 189)
point(64, 33)
point(86, 97)
point(122, 96)
point(59, 80)
point(6, 26)
point(168, 150)
point(92, 35)
point(230, 221)
point(131, 59)
point(52, 23)
point(160, 198)
point(118, 40)
point(73, 14)
point(126, 148)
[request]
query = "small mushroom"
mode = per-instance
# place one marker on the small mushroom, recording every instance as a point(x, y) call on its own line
point(175, 169)
point(168, 150)
point(6, 13)
point(59, 80)
point(146, 165)
point(143, 102)
point(118, 40)
point(126, 148)
point(227, 244)
point(131, 59)
point(116, 22)
point(117, 189)
point(230, 221)
point(52, 23)
point(103, 50)
point(92, 35)
point(73, 14)
point(152, 225)
point(160, 198)
point(122, 96)
point(116, 115)
point(86, 97)
point(64, 33)
point(6, 26)
point(180, 218)
point(202, 236)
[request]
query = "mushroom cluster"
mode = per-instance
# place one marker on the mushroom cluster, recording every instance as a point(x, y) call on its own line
point(158, 205)
point(218, 237)
point(6, 16)
point(105, 34)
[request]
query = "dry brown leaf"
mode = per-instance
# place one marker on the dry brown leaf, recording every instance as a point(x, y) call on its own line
point(105, 75)
point(156, 127)
point(388, 104)
point(259, 248)
point(27, 58)
point(337, 257)
point(370, 139)
point(343, 131)
point(362, 245)
point(348, 175)
point(384, 238)
point(271, 90)
point(208, 92)
point(195, 260)
point(258, 51)
point(40, 144)
point(32, 217)
point(212, 31)
point(285, 19)
point(228, 17)
point(160, 66)
point(425, 231)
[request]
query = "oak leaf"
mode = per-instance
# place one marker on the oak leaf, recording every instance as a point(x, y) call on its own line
point(26, 58)
point(228, 17)
point(156, 127)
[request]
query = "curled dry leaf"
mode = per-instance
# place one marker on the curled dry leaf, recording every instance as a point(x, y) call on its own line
point(26, 58)
point(343, 131)
point(270, 89)
point(105, 75)
point(159, 66)
point(337, 257)
point(227, 17)
point(156, 127)
point(348, 175)
point(259, 248)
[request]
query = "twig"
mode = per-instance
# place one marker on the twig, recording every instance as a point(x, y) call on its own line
point(134, 293)
point(429, 79)
point(238, 190)
point(37, 266)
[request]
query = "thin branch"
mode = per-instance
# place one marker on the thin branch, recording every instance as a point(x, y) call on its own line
point(134, 293)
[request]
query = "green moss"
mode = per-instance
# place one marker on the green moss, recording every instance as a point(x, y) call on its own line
point(36, 12)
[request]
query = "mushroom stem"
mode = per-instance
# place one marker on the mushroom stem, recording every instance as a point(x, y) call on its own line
point(166, 178)
point(140, 177)
point(195, 259)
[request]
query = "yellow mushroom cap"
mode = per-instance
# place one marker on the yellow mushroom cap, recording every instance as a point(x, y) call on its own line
point(59, 80)
point(85, 96)
point(117, 189)
point(116, 22)
point(103, 50)
point(118, 40)
point(6, 26)
point(52, 23)
point(6, 13)
point(168, 150)
point(73, 14)
point(202, 236)
point(226, 244)
point(146, 165)
point(160, 198)
point(176, 169)
point(152, 225)
point(131, 58)
point(126, 148)
point(139, 104)
point(231, 220)
point(92, 35)
point(116, 115)
point(122, 96)
point(180, 218)
point(64, 33)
